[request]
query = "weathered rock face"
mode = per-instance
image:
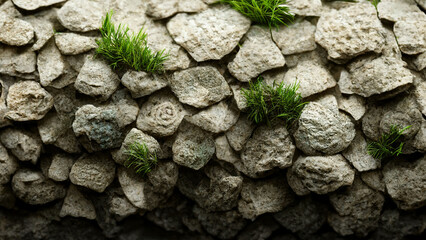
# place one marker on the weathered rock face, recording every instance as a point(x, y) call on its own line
point(217, 118)
point(73, 44)
point(395, 10)
point(159, 9)
point(17, 63)
point(193, 147)
point(8, 165)
point(94, 171)
point(76, 205)
point(411, 35)
point(34, 4)
point(81, 15)
point(306, 7)
point(250, 62)
point(43, 31)
point(50, 63)
point(211, 34)
point(296, 184)
point(405, 182)
point(374, 179)
point(142, 84)
point(60, 167)
point(239, 134)
point(357, 155)
point(24, 145)
point(33, 188)
point(262, 196)
point(224, 151)
point(350, 32)
point(27, 100)
point(15, 32)
point(323, 174)
point(322, 131)
point(207, 86)
point(53, 126)
point(297, 38)
point(119, 204)
point(352, 104)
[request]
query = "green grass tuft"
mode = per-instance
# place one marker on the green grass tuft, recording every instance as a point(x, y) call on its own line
point(124, 50)
point(268, 12)
point(268, 103)
point(388, 145)
point(140, 158)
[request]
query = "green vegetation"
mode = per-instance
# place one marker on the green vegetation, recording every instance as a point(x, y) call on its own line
point(375, 3)
point(140, 158)
point(269, 12)
point(388, 145)
point(124, 50)
point(267, 103)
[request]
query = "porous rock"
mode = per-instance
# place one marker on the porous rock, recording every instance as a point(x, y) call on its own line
point(24, 145)
point(420, 61)
point(323, 174)
point(224, 151)
point(35, 4)
point(395, 10)
point(50, 63)
point(159, 9)
point(411, 34)
point(240, 132)
point(305, 7)
point(296, 184)
point(142, 84)
point(119, 204)
point(82, 15)
point(210, 34)
point(352, 104)
point(76, 205)
point(43, 31)
point(296, 38)
point(73, 44)
point(374, 179)
point(15, 32)
point(53, 126)
point(217, 118)
point(250, 62)
point(93, 171)
point(8, 165)
point(16, 62)
point(60, 167)
point(357, 155)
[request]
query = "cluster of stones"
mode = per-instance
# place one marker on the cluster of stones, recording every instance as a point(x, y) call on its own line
point(66, 120)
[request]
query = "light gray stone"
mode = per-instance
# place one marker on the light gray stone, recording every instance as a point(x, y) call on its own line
point(319, 55)
point(34, 188)
point(35, 4)
point(73, 44)
point(142, 84)
point(193, 147)
point(15, 32)
point(161, 115)
point(352, 104)
point(24, 145)
point(77, 205)
point(395, 10)
point(211, 34)
point(43, 31)
point(53, 126)
point(240, 133)
point(17, 63)
point(321, 130)
point(50, 63)
point(217, 118)
point(328, 101)
point(97, 79)
point(357, 155)
point(422, 3)
point(323, 174)
point(224, 151)
point(305, 7)
point(60, 167)
point(9, 8)
point(68, 142)
point(159, 9)
point(27, 101)
point(239, 99)
point(420, 61)
point(296, 184)
point(8, 165)
point(411, 35)
point(296, 38)
point(350, 32)
point(374, 179)
point(82, 15)
point(249, 61)
point(93, 171)
point(199, 86)
point(264, 196)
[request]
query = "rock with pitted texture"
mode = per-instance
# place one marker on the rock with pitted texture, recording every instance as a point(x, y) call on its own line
point(50, 63)
point(296, 184)
point(396, 10)
point(357, 155)
point(93, 171)
point(8, 165)
point(411, 34)
point(352, 104)
point(240, 133)
point(119, 204)
point(199, 86)
point(160, 9)
point(305, 7)
point(250, 62)
point(73, 44)
point(323, 174)
point(82, 15)
point(24, 145)
point(224, 151)
point(53, 126)
point(374, 179)
point(142, 84)
point(77, 205)
point(43, 31)
point(14, 31)
point(34, 188)
point(349, 32)
point(296, 38)
point(239, 98)
point(60, 167)
point(211, 34)
point(35, 4)
point(17, 62)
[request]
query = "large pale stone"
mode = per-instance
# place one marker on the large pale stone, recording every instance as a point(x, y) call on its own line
point(240, 133)
point(305, 7)
point(159, 9)
point(296, 184)
point(411, 35)
point(24, 145)
point(224, 151)
point(50, 63)
point(8, 165)
point(217, 118)
point(296, 38)
point(250, 62)
point(76, 205)
point(395, 10)
point(82, 15)
point(34, 4)
point(357, 155)
point(60, 167)
point(211, 34)
point(17, 62)
point(14, 31)
point(352, 104)
point(142, 84)
point(43, 31)
point(73, 44)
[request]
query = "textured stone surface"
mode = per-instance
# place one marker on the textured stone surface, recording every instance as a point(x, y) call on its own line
point(94, 171)
point(17, 63)
point(395, 10)
point(321, 130)
point(43, 31)
point(82, 15)
point(142, 84)
point(50, 63)
point(163, 9)
point(296, 184)
point(239, 134)
point(53, 126)
point(350, 32)
point(420, 61)
point(217, 118)
point(374, 179)
point(119, 204)
point(211, 34)
point(224, 151)
point(352, 104)
point(33, 188)
point(193, 146)
point(34, 4)
point(24, 145)
point(73, 44)
point(250, 62)
point(239, 99)
point(199, 86)
point(411, 35)
point(161, 115)
point(8, 165)
point(15, 32)
point(357, 155)
point(76, 205)
point(296, 38)
point(405, 182)
point(27, 100)
point(305, 7)
point(263, 196)
point(323, 174)
point(60, 167)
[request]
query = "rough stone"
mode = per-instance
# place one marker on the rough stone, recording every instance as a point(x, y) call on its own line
point(142, 84)
point(239, 134)
point(296, 38)
point(420, 61)
point(97, 79)
point(249, 61)
point(24, 145)
point(296, 184)
point(15, 32)
point(374, 179)
point(264, 196)
point(224, 151)
point(193, 146)
point(73, 44)
point(68, 142)
point(357, 155)
point(305, 7)
point(94, 171)
point(411, 35)
point(352, 104)
point(239, 99)
point(119, 204)
point(269, 147)
point(159, 9)
point(199, 86)
point(406, 182)
point(161, 115)
point(7, 7)
point(43, 31)
point(17, 63)
point(211, 34)
point(5, 83)
point(422, 3)
point(50, 63)
point(350, 32)
point(82, 15)
point(8, 165)
point(217, 118)
point(76, 205)
point(323, 174)
point(60, 167)
point(396, 10)
point(33, 188)
point(321, 130)
point(53, 126)
point(35, 4)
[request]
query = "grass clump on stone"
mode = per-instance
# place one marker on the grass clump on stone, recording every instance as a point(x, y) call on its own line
point(127, 50)
point(267, 103)
point(388, 145)
point(140, 158)
point(268, 12)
